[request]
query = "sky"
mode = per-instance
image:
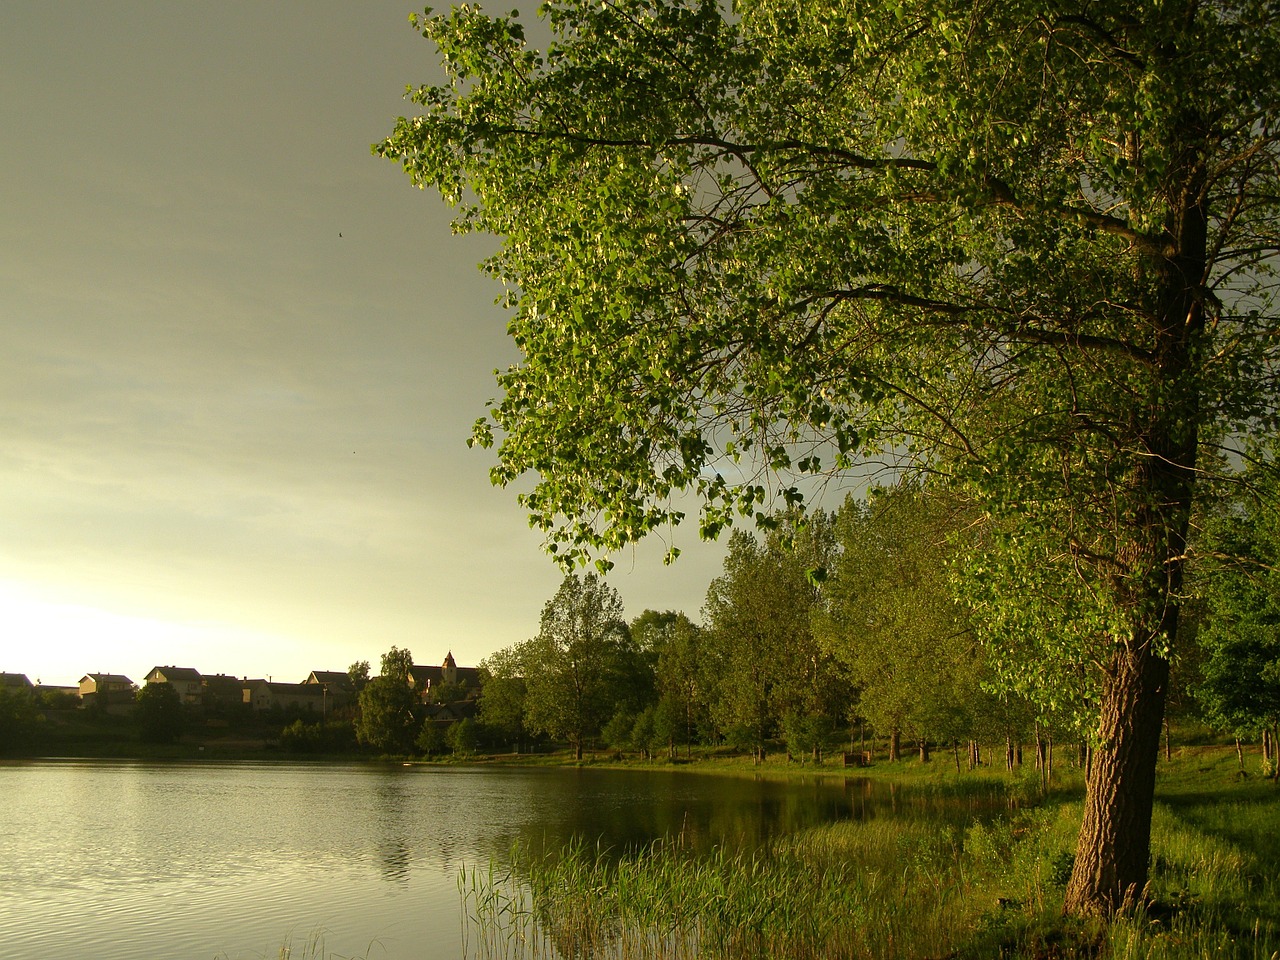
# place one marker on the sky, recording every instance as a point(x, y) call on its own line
point(240, 357)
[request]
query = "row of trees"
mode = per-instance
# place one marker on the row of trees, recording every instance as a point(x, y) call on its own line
point(876, 618)
point(809, 630)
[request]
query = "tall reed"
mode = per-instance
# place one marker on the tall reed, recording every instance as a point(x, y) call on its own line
point(894, 888)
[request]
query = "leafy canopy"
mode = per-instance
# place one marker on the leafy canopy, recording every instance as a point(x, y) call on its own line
point(1032, 247)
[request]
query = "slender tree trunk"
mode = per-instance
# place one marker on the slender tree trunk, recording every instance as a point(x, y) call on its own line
point(924, 750)
point(1168, 740)
point(895, 745)
point(1240, 754)
point(1008, 754)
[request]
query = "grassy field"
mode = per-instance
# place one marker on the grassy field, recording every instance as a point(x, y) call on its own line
point(897, 888)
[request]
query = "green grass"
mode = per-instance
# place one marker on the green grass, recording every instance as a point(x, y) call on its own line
point(910, 888)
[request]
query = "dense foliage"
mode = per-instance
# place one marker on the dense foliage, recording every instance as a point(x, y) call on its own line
point(1026, 250)
point(159, 713)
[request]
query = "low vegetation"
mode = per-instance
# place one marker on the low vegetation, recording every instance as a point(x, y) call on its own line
point(909, 887)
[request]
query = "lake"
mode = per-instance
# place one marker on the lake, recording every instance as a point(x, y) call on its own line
point(125, 861)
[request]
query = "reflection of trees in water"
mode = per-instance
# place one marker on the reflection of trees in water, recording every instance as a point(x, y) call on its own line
point(425, 815)
point(392, 822)
point(623, 811)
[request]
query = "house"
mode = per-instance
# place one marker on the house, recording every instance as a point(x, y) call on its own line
point(450, 713)
point(222, 694)
point(56, 694)
point(341, 691)
point(15, 683)
point(448, 679)
point(185, 680)
point(264, 695)
point(112, 692)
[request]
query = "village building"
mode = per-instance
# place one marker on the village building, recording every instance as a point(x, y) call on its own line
point(111, 692)
point(447, 681)
point(337, 684)
point(15, 683)
point(222, 694)
point(185, 680)
point(263, 695)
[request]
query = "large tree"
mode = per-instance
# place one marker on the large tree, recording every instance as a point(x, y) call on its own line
point(1024, 247)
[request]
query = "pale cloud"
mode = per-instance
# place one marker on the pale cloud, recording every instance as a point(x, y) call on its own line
point(228, 436)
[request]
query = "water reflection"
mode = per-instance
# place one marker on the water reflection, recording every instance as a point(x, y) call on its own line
point(228, 859)
point(394, 849)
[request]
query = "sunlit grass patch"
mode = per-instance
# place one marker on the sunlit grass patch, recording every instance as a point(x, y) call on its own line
point(988, 882)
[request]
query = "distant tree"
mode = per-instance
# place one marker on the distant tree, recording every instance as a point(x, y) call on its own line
point(332, 737)
point(58, 700)
point(893, 619)
point(159, 713)
point(18, 720)
point(1239, 640)
point(359, 674)
point(387, 702)
point(398, 663)
point(670, 642)
point(759, 645)
point(431, 738)
point(503, 693)
point(464, 737)
point(617, 732)
point(447, 692)
point(576, 666)
point(644, 733)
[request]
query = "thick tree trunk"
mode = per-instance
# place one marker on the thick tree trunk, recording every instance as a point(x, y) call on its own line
point(1110, 872)
point(895, 745)
point(924, 750)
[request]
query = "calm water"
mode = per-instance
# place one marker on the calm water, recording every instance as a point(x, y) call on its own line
point(130, 861)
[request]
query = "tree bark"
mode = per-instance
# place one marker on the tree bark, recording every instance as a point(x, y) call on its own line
point(1110, 872)
point(895, 745)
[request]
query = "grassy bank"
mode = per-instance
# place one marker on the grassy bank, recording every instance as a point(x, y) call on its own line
point(904, 888)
